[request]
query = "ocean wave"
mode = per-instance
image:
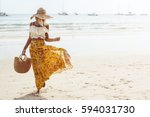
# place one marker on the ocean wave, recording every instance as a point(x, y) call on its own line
point(67, 26)
point(19, 24)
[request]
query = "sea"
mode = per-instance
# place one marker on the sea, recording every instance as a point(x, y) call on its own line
point(81, 34)
point(13, 26)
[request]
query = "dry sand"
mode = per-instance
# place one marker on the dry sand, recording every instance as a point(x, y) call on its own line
point(103, 77)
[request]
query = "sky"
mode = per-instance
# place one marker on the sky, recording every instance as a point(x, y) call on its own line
point(79, 6)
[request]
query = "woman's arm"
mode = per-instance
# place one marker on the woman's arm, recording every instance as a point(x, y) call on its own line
point(48, 39)
point(51, 39)
point(28, 42)
point(26, 46)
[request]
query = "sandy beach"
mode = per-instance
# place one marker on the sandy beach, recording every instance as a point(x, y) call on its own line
point(93, 77)
point(112, 63)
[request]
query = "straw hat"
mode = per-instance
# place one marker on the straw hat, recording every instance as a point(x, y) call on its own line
point(41, 14)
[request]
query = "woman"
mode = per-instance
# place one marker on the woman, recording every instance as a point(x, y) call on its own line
point(46, 60)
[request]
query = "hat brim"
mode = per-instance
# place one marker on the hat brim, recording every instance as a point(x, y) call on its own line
point(41, 16)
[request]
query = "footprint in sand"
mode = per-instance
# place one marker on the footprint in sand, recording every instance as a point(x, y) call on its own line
point(62, 90)
point(25, 87)
point(89, 84)
point(73, 97)
point(117, 97)
point(74, 74)
point(84, 86)
point(105, 87)
point(98, 74)
point(127, 82)
point(146, 64)
point(50, 87)
point(113, 85)
point(130, 86)
point(115, 69)
point(78, 97)
point(110, 65)
point(120, 97)
point(13, 80)
point(80, 72)
point(45, 90)
point(122, 79)
point(20, 93)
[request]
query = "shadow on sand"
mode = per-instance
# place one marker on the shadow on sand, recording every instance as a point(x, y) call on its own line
point(30, 96)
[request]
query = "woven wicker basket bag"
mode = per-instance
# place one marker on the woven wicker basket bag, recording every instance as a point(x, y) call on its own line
point(22, 64)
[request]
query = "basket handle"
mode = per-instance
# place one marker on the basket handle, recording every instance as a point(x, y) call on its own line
point(23, 57)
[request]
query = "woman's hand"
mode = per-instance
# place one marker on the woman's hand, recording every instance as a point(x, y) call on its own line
point(57, 39)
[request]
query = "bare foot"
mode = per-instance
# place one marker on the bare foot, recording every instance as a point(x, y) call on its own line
point(37, 93)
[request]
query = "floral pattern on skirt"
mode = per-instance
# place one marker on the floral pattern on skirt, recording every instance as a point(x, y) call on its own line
point(47, 60)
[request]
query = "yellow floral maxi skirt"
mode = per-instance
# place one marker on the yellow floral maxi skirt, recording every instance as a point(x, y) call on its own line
point(47, 60)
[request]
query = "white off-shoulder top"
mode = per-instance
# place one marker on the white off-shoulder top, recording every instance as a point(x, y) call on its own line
point(37, 32)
